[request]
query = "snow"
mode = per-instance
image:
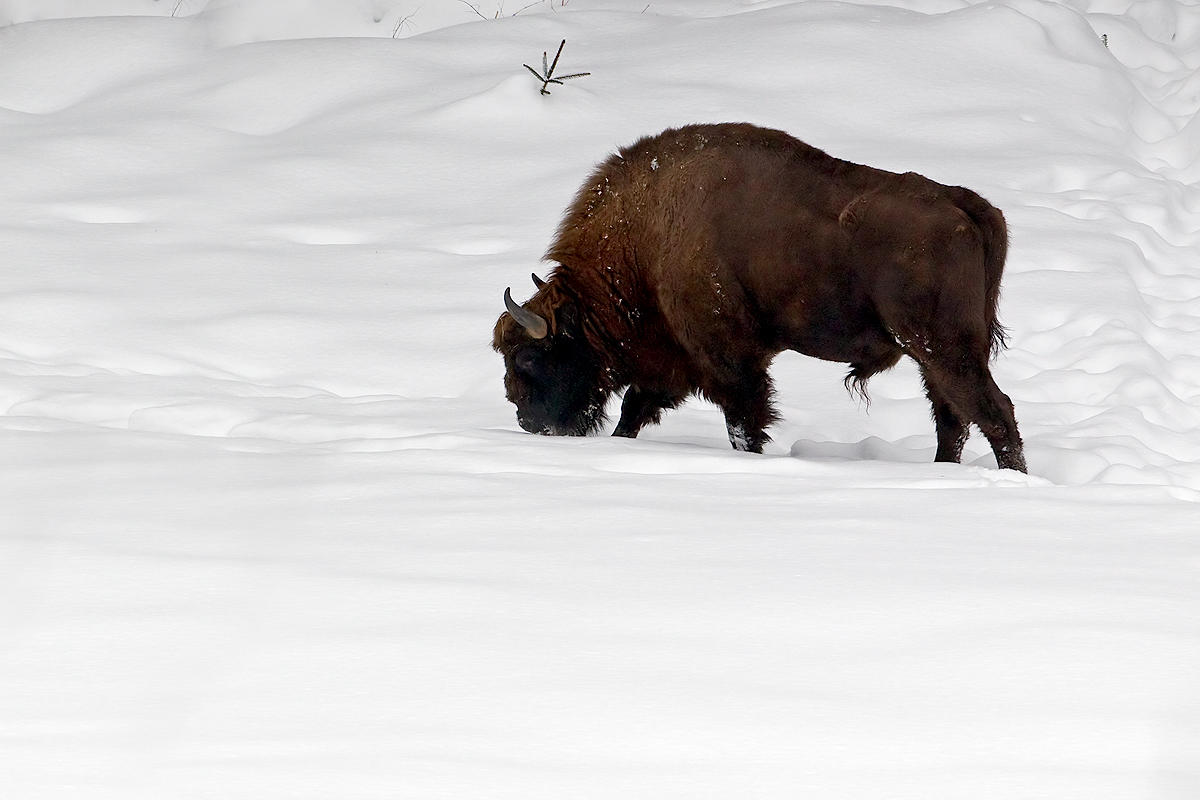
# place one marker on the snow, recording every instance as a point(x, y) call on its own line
point(269, 528)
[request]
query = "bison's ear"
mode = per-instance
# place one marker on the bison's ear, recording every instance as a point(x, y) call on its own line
point(566, 318)
point(538, 282)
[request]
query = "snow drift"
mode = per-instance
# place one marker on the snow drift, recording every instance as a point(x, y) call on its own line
point(269, 528)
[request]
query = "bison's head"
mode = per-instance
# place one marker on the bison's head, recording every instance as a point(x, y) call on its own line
point(552, 375)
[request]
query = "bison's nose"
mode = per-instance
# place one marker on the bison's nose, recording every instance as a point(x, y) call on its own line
point(540, 428)
point(529, 426)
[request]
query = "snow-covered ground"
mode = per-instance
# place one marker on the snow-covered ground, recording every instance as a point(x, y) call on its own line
point(268, 527)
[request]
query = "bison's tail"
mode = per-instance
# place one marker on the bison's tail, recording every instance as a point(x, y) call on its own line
point(995, 250)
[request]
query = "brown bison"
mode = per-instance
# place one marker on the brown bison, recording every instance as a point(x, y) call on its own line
point(690, 259)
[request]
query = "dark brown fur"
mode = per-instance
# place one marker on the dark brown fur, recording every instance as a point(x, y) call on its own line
point(690, 259)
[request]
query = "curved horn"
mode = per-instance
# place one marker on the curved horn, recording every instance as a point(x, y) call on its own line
point(538, 282)
point(534, 325)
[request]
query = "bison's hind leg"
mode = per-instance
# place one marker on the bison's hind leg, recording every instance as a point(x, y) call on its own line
point(998, 421)
point(962, 390)
point(952, 429)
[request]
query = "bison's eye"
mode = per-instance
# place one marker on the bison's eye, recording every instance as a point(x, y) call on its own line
point(527, 362)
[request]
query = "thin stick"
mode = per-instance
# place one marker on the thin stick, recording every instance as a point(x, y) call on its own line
point(561, 45)
point(474, 8)
point(403, 21)
point(531, 5)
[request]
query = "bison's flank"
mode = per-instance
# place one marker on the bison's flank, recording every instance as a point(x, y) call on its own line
point(690, 259)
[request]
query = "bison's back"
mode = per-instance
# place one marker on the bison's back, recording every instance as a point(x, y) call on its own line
point(734, 232)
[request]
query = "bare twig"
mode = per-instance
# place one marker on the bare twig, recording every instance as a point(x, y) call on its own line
point(523, 8)
point(547, 76)
point(474, 8)
point(404, 21)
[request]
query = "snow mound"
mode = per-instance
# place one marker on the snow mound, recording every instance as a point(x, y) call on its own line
point(270, 529)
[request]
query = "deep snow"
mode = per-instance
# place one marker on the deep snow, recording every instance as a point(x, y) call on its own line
point(268, 527)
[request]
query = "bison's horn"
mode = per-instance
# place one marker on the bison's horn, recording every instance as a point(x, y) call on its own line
point(534, 325)
point(538, 282)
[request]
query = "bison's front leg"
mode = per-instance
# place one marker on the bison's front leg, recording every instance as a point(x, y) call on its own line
point(748, 411)
point(642, 407)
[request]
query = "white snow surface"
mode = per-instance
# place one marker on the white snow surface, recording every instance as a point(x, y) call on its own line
point(268, 527)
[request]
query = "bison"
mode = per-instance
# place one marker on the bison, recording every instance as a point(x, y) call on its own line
point(690, 259)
